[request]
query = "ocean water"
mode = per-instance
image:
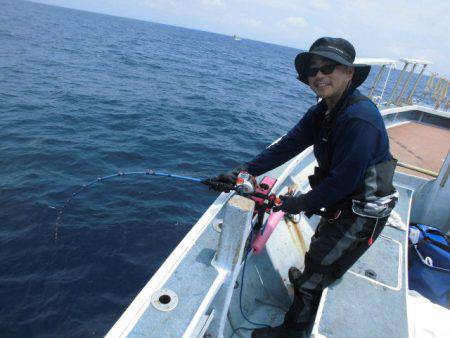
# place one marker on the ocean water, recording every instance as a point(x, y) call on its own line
point(84, 95)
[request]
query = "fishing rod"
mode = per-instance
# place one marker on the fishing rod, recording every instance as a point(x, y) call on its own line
point(147, 172)
point(245, 186)
point(122, 173)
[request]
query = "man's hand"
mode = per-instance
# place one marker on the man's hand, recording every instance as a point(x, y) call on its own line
point(224, 182)
point(291, 205)
point(220, 184)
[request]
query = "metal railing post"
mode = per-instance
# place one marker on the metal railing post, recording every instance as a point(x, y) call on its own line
point(410, 97)
point(443, 93)
point(437, 88)
point(400, 77)
point(375, 82)
point(385, 83)
point(429, 85)
point(399, 98)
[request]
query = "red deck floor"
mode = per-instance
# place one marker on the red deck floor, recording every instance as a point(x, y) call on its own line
point(421, 145)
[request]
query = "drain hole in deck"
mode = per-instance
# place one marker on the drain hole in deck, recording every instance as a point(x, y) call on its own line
point(165, 299)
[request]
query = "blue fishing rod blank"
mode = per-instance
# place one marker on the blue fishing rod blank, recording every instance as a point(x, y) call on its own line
point(148, 172)
point(132, 173)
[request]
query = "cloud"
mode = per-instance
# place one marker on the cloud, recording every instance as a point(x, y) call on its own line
point(277, 5)
point(320, 5)
point(212, 2)
point(158, 4)
point(253, 22)
point(295, 21)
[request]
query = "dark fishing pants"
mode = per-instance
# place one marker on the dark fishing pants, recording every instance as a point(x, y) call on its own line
point(335, 247)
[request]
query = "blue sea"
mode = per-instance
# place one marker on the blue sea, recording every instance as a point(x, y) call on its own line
point(85, 95)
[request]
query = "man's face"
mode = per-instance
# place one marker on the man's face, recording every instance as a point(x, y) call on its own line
point(329, 85)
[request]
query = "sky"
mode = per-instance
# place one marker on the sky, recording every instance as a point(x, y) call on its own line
point(377, 28)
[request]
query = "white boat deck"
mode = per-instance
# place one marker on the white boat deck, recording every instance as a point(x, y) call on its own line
point(361, 305)
point(265, 298)
point(370, 299)
point(380, 275)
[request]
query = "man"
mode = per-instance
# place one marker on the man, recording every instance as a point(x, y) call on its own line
point(352, 185)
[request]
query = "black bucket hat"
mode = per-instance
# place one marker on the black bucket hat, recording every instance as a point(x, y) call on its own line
point(336, 49)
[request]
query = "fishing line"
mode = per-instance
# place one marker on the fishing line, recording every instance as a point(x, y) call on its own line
point(240, 188)
point(242, 290)
point(148, 172)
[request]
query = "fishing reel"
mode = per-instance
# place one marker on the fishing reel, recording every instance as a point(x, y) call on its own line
point(245, 183)
point(247, 186)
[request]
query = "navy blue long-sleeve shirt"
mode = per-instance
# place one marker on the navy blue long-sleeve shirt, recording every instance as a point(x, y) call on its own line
point(358, 140)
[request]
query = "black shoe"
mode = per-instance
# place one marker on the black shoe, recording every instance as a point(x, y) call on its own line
point(294, 274)
point(276, 332)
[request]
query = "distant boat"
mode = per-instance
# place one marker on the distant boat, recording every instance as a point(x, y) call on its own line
point(237, 38)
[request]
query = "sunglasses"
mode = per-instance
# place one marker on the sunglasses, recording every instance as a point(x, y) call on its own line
point(326, 69)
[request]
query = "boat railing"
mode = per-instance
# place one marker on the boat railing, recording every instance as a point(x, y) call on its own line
point(436, 88)
point(384, 64)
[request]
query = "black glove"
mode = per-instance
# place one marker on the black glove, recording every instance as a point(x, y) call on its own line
point(216, 185)
point(291, 205)
point(224, 182)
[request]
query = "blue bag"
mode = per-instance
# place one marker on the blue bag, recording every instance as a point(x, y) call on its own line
point(429, 264)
